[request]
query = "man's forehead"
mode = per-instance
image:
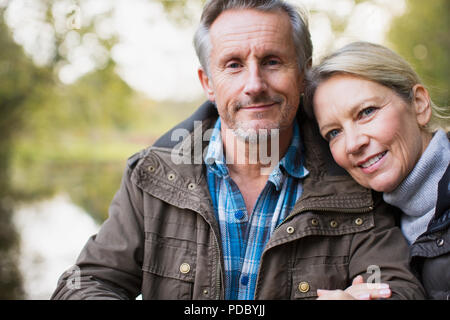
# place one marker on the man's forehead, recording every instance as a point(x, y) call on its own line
point(247, 23)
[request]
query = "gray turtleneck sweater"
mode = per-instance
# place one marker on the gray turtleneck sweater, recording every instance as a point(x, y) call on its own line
point(416, 196)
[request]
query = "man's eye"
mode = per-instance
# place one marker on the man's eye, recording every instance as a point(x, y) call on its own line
point(233, 65)
point(331, 134)
point(367, 112)
point(272, 62)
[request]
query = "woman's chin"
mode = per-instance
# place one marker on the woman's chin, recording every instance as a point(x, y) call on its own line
point(380, 184)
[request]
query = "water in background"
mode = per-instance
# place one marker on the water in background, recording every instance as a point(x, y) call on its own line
point(52, 232)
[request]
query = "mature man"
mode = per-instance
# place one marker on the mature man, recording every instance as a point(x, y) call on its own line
point(233, 227)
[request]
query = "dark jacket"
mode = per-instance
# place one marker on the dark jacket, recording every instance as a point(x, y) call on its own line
point(430, 253)
point(162, 239)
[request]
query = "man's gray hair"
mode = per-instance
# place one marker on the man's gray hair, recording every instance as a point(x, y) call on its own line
point(213, 8)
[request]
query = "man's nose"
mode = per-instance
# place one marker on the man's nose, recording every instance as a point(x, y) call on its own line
point(355, 141)
point(255, 83)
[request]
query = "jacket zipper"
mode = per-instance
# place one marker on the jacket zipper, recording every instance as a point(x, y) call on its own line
point(219, 270)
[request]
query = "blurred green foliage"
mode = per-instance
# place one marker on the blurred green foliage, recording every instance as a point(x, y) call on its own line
point(71, 139)
point(78, 139)
point(422, 36)
point(17, 78)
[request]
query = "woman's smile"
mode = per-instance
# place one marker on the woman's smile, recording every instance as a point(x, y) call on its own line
point(373, 133)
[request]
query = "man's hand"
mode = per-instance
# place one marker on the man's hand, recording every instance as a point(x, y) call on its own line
point(357, 291)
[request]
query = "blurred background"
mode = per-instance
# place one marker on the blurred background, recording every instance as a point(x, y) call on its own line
point(85, 84)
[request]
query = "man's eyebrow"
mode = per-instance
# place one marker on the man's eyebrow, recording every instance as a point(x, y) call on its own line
point(229, 56)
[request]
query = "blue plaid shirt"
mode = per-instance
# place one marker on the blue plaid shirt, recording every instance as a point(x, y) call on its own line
point(244, 235)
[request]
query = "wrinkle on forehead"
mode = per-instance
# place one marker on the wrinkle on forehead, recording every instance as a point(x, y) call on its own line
point(254, 18)
point(258, 30)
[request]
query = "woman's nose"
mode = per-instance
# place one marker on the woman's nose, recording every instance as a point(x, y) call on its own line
point(355, 141)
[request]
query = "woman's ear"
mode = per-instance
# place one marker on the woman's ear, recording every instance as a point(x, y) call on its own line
point(422, 104)
point(206, 84)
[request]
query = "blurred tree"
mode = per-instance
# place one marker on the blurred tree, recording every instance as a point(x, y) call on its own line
point(66, 141)
point(422, 36)
point(18, 80)
point(65, 138)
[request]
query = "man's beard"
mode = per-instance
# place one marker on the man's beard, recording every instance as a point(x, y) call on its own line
point(247, 133)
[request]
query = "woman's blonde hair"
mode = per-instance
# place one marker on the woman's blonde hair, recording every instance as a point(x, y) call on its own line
point(375, 63)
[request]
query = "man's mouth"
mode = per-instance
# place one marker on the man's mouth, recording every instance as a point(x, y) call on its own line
point(372, 160)
point(259, 103)
point(259, 106)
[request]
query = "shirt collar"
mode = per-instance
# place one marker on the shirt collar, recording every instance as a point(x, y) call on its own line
point(291, 163)
point(214, 157)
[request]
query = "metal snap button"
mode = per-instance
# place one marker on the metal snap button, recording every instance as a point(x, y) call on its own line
point(191, 186)
point(303, 287)
point(185, 268)
point(315, 222)
point(151, 168)
point(333, 224)
point(290, 230)
point(205, 292)
point(171, 177)
point(359, 221)
point(440, 242)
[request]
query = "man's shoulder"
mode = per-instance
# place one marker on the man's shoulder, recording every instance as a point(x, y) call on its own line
point(135, 158)
point(170, 139)
point(205, 112)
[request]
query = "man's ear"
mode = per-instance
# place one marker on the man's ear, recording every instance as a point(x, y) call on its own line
point(422, 104)
point(206, 84)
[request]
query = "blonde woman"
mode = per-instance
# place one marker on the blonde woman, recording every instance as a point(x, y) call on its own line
point(383, 128)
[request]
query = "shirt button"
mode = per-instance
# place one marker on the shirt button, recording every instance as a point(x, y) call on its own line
point(303, 287)
point(244, 280)
point(185, 268)
point(239, 215)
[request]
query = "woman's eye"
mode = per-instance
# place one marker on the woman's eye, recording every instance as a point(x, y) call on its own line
point(332, 134)
point(367, 112)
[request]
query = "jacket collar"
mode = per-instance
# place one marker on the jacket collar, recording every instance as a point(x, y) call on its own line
point(327, 185)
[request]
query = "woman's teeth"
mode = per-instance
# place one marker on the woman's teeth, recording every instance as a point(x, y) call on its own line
point(373, 160)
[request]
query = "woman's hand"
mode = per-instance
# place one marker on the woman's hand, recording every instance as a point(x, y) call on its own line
point(357, 291)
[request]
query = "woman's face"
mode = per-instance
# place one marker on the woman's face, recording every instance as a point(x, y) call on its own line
point(373, 133)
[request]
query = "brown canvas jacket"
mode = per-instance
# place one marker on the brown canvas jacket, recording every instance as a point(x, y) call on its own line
point(162, 240)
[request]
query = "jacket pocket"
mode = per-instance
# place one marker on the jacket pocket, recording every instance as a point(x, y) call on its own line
point(169, 268)
point(306, 280)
